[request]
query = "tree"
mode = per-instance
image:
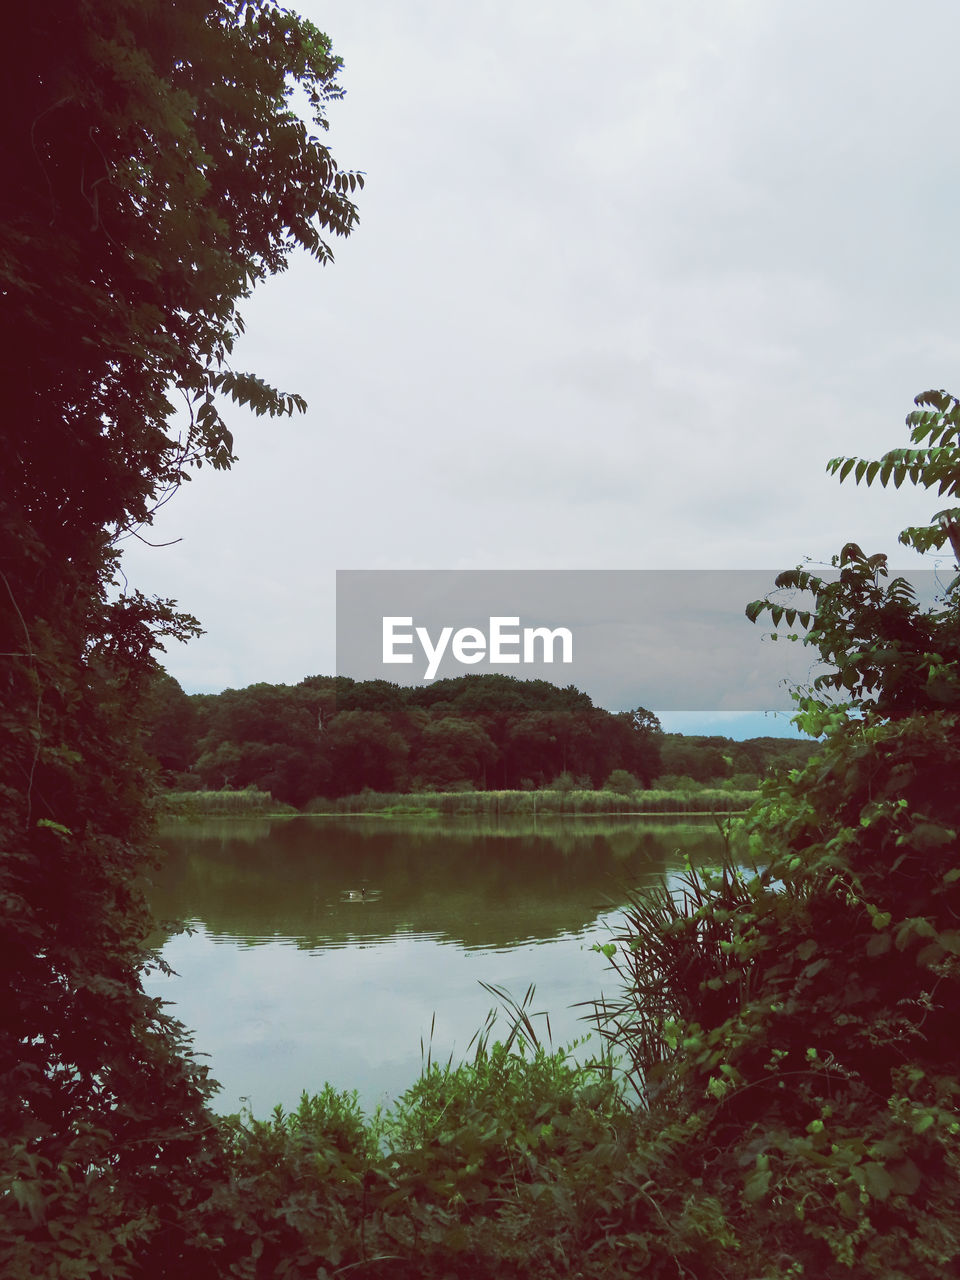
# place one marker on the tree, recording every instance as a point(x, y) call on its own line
point(154, 172)
point(267, 736)
point(170, 725)
point(361, 750)
point(693, 757)
point(531, 748)
point(795, 1010)
point(622, 782)
point(454, 752)
point(646, 739)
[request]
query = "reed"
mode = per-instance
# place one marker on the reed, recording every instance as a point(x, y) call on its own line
point(492, 804)
point(220, 803)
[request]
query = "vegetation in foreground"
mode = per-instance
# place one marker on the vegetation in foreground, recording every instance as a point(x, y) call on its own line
point(509, 1165)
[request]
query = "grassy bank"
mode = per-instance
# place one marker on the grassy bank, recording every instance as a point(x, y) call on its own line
point(493, 804)
point(485, 804)
point(239, 804)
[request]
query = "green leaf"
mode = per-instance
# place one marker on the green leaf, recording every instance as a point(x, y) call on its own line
point(929, 835)
point(58, 827)
point(29, 1196)
point(757, 1185)
point(916, 927)
point(754, 609)
point(879, 944)
point(874, 1179)
point(906, 1177)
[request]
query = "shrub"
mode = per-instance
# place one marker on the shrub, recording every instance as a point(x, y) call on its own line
point(796, 1009)
point(622, 783)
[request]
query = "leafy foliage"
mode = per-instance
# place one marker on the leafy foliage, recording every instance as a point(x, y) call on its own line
point(881, 650)
point(518, 1163)
point(795, 1006)
point(154, 171)
point(935, 425)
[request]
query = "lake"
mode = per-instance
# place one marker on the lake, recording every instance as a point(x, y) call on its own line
point(324, 949)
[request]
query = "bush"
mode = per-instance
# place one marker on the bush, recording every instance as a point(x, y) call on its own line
point(796, 1009)
point(520, 1163)
point(622, 783)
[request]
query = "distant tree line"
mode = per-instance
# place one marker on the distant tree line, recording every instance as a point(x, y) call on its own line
point(333, 736)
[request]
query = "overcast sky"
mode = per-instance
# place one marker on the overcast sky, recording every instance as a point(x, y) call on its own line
point(626, 276)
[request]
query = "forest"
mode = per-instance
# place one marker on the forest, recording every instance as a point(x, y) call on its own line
point(333, 736)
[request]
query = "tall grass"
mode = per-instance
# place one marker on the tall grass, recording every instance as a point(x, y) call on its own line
point(492, 804)
point(220, 803)
point(676, 963)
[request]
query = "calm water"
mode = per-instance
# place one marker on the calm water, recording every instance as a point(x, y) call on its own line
point(323, 949)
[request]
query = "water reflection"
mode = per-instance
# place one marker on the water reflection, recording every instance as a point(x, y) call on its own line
point(322, 947)
point(328, 883)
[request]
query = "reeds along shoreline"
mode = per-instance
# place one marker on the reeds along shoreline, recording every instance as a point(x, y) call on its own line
point(535, 803)
point(220, 803)
point(491, 804)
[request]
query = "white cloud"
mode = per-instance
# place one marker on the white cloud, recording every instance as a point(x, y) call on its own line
point(626, 276)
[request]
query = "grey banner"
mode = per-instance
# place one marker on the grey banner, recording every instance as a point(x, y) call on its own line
point(668, 640)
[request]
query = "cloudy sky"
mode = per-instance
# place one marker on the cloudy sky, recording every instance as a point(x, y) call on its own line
point(627, 275)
